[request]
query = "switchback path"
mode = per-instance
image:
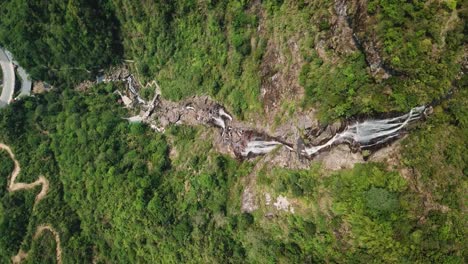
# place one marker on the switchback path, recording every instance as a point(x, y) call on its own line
point(17, 186)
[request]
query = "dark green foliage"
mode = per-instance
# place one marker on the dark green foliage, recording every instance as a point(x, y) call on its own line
point(121, 193)
point(114, 189)
point(14, 215)
point(381, 201)
point(115, 175)
point(44, 250)
point(60, 41)
point(6, 167)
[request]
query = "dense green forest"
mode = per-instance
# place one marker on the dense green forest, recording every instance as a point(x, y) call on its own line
point(121, 193)
point(62, 42)
point(118, 195)
point(230, 49)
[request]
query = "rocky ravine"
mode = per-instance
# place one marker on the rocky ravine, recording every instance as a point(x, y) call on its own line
point(302, 138)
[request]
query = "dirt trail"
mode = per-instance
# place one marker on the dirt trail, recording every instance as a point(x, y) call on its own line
point(449, 25)
point(17, 186)
point(19, 257)
point(58, 248)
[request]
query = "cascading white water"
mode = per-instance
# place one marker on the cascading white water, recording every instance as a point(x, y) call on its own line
point(222, 113)
point(371, 132)
point(219, 122)
point(258, 147)
point(366, 134)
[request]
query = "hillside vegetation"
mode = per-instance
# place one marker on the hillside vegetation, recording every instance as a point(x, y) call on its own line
point(62, 42)
point(121, 193)
point(233, 50)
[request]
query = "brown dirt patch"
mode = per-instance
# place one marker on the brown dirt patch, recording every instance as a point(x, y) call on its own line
point(18, 258)
point(280, 77)
point(340, 157)
point(280, 68)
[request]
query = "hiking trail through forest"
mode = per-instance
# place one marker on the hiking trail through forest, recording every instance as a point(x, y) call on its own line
point(17, 186)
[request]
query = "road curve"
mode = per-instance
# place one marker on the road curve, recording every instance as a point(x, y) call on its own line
point(8, 79)
point(26, 83)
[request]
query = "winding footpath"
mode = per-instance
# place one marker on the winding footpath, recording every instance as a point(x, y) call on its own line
point(17, 186)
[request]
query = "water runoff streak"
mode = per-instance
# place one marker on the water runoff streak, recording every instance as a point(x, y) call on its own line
point(364, 134)
point(247, 142)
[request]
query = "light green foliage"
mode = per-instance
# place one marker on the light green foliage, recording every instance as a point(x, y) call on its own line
point(218, 47)
point(423, 44)
point(421, 47)
point(120, 193)
point(451, 4)
point(111, 183)
point(194, 47)
point(343, 90)
point(373, 215)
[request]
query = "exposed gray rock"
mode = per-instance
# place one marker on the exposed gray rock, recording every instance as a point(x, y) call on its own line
point(248, 200)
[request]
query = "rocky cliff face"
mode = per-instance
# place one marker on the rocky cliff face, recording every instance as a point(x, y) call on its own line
point(353, 31)
point(366, 39)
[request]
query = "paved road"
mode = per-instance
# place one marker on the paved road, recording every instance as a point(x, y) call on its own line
point(26, 83)
point(8, 79)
